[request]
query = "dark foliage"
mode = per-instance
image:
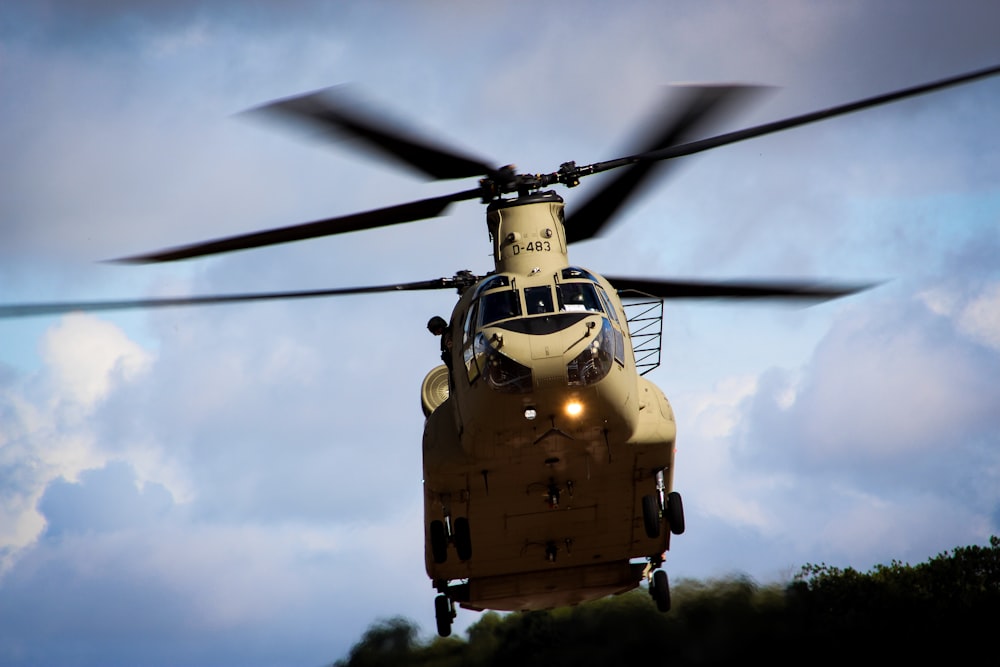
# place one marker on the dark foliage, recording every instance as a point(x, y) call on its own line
point(946, 608)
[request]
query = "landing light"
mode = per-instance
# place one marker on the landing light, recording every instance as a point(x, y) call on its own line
point(574, 408)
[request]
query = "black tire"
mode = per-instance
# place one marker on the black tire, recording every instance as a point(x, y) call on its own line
point(675, 513)
point(439, 542)
point(651, 516)
point(443, 615)
point(463, 538)
point(661, 590)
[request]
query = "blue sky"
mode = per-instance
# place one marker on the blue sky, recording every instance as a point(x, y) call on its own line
point(242, 483)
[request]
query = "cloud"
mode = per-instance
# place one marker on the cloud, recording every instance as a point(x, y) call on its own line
point(885, 385)
point(884, 445)
point(125, 568)
point(86, 357)
point(977, 316)
point(48, 429)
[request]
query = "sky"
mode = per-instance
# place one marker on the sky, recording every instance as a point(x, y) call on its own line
point(241, 484)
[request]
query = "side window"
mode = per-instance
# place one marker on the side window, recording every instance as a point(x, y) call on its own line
point(470, 322)
point(578, 297)
point(538, 299)
point(468, 351)
point(616, 329)
point(608, 305)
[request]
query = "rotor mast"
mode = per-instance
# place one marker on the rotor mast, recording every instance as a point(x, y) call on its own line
point(528, 234)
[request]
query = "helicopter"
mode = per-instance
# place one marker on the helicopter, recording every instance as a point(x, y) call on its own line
point(548, 457)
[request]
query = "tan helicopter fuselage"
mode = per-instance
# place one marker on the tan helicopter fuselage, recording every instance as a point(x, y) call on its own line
point(537, 456)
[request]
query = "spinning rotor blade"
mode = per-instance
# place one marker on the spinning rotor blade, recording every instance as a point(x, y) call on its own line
point(743, 290)
point(440, 162)
point(381, 217)
point(30, 309)
point(700, 105)
point(804, 119)
point(335, 109)
point(594, 215)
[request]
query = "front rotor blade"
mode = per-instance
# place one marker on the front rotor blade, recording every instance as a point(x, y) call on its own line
point(700, 105)
point(31, 309)
point(382, 217)
point(804, 119)
point(743, 290)
point(337, 110)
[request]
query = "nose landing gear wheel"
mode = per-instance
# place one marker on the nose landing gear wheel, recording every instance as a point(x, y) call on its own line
point(444, 613)
point(659, 588)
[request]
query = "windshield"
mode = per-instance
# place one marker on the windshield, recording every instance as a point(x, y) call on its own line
point(578, 297)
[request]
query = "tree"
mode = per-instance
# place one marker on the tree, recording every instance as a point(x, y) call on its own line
point(825, 615)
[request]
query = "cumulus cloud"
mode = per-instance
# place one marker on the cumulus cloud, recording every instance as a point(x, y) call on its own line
point(885, 442)
point(884, 384)
point(126, 566)
point(47, 431)
point(86, 357)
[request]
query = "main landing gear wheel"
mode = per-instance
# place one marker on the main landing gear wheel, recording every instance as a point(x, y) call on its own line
point(439, 541)
point(675, 513)
point(462, 539)
point(651, 516)
point(444, 614)
point(460, 536)
point(659, 588)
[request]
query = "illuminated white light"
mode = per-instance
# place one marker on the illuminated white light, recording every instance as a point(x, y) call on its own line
point(574, 408)
point(530, 413)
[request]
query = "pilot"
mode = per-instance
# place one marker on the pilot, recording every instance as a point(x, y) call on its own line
point(437, 326)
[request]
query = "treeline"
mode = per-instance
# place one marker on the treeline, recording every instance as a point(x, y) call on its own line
point(947, 609)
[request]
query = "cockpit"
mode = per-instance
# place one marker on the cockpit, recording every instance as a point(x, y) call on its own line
point(574, 296)
point(498, 300)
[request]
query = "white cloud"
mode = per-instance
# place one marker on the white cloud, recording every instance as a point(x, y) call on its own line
point(976, 315)
point(48, 432)
point(86, 357)
point(211, 590)
point(882, 445)
point(887, 383)
point(980, 319)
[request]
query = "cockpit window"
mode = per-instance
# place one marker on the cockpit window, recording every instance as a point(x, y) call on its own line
point(493, 283)
point(499, 306)
point(578, 297)
point(538, 299)
point(608, 307)
point(576, 273)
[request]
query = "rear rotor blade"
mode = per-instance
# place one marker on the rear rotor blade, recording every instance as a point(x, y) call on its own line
point(700, 105)
point(391, 215)
point(743, 290)
point(32, 309)
point(338, 110)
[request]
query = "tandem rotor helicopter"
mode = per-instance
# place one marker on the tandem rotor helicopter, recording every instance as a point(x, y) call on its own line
point(548, 457)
